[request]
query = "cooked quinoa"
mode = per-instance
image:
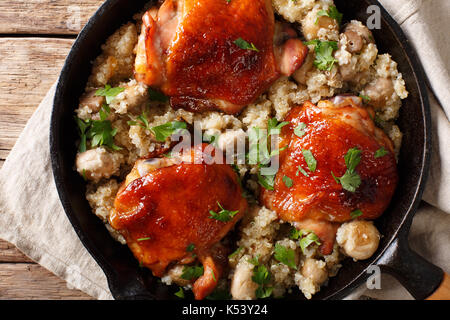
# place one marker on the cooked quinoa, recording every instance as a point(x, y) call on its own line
point(260, 230)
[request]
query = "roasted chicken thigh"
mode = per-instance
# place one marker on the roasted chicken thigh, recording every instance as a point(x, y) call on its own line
point(215, 54)
point(176, 210)
point(340, 166)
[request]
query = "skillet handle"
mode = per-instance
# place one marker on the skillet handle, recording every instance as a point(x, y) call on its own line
point(420, 277)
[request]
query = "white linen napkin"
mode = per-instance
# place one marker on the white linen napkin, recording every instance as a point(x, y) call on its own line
point(32, 218)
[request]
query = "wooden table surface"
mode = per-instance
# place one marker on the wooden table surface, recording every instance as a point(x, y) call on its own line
point(35, 37)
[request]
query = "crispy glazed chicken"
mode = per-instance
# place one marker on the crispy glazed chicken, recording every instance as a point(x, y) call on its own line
point(165, 210)
point(215, 54)
point(341, 166)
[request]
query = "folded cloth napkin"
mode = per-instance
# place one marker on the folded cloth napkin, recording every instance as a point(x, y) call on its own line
point(32, 218)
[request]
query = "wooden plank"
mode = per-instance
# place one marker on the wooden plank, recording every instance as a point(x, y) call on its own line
point(28, 68)
point(32, 282)
point(9, 253)
point(64, 17)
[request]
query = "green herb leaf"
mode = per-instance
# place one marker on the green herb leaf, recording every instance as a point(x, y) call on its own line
point(235, 253)
point(324, 59)
point(300, 169)
point(166, 130)
point(365, 99)
point(83, 127)
point(241, 43)
point(350, 181)
point(335, 178)
point(144, 239)
point(294, 234)
point(102, 133)
point(300, 130)
point(223, 215)
point(307, 240)
point(155, 95)
point(263, 292)
point(109, 93)
point(180, 293)
point(261, 275)
point(285, 256)
point(310, 160)
point(268, 182)
point(287, 181)
point(274, 127)
point(104, 112)
point(352, 159)
point(332, 12)
point(355, 214)
point(380, 153)
point(190, 247)
point(192, 272)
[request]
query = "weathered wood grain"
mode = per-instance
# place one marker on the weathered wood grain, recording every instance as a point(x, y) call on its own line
point(32, 282)
point(62, 17)
point(28, 68)
point(9, 253)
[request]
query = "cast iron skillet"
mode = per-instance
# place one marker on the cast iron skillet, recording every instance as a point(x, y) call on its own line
point(128, 281)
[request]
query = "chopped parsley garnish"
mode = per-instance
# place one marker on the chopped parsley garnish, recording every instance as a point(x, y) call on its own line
point(180, 293)
point(161, 132)
point(287, 181)
point(365, 98)
point(158, 96)
point(356, 213)
point(300, 130)
point(84, 175)
point(192, 272)
point(285, 256)
point(261, 276)
point(109, 93)
point(241, 43)
point(332, 12)
point(164, 131)
point(144, 239)
point(274, 127)
point(308, 238)
point(190, 247)
point(310, 160)
point(260, 148)
point(300, 169)
point(82, 127)
point(380, 153)
point(104, 112)
point(100, 132)
point(352, 158)
point(235, 253)
point(142, 121)
point(351, 180)
point(267, 181)
point(324, 59)
point(294, 234)
point(223, 215)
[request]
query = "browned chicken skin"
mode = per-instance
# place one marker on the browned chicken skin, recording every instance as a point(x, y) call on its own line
point(165, 206)
point(316, 201)
point(188, 50)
